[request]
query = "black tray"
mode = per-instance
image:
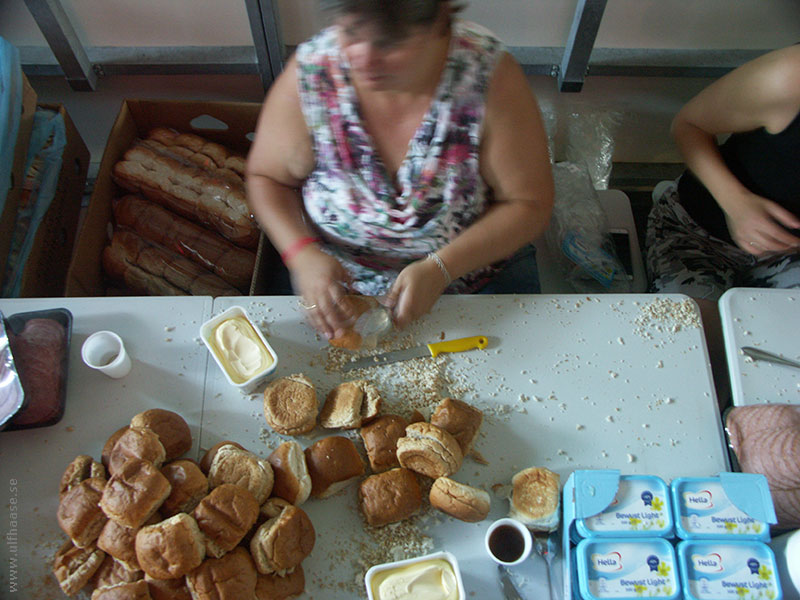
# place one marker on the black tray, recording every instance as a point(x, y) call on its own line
point(16, 323)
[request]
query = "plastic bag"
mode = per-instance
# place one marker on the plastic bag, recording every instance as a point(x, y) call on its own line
point(578, 234)
point(590, 141)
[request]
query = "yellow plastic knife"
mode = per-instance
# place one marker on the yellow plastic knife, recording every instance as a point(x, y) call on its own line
point(458, 345)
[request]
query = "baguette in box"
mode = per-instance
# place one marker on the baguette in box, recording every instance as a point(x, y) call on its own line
point(149, 270)
point(216, 200)
point(206, 248)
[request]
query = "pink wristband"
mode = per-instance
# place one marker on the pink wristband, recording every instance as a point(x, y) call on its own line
point(296, 246)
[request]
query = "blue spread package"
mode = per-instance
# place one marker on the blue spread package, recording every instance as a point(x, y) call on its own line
point(732, 506)
point(616, 568)
point(641, 508)
point(721, 569)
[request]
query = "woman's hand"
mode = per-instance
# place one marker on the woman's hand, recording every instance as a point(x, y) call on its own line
point(322, 282)
point(755, 226)
point(415, 291)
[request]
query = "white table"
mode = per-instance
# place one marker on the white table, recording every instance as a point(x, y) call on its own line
point(768, 319)
point(568, 382)
point(169, 365)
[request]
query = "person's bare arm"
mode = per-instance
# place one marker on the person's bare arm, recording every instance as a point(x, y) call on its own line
point(280, 159)
point(514, 162)
point(764, 92)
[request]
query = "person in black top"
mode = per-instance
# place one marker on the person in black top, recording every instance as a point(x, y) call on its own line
point(733, 218)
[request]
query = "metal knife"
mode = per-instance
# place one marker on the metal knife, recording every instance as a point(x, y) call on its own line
point(757, 354)
point(509, 589)
point(432, 350)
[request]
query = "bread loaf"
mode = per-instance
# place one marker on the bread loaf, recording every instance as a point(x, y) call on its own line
point(147, 269)
point(206, 248)
point(212, 199)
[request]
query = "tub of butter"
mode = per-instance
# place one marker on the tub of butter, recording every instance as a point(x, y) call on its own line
point(640, 508)
point(721, 569)
point(616, 568)
point(703, 510)
point(239, 348)
point(433, 577)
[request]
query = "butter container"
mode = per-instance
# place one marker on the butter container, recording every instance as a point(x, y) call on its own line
point(436, 575)
point(616, 568)
point(721, 569)
point(641, 508)
point(239, 348)
point(704, 510)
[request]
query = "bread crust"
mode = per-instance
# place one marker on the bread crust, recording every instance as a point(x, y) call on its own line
point(459, 419)
point(208, 457)
point(136, 443)
point(231, 577)
point(171, 548)
point(350, 404)
point(189, 486)
point(389, 497)
point(535, 498)
point(290, 405)
point(292, 481)
point(82, 467)
point(429, 450)
point(133, 494)
point(225, 516)
point(275, 587)
point(333, 462)
point(168, 589)
point(380, 440)
point(459, 500)
point(242, 468)
point(134, 590)
point(79, 514)
point(172, 430)
point(73, 566)
point(281, 543)
point(110, 443)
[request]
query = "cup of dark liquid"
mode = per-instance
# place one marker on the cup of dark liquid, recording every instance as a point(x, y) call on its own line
point(508, 542)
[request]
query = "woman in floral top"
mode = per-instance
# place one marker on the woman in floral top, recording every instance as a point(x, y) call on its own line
point(400, 153)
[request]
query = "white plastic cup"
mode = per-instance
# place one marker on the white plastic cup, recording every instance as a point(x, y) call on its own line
point(105, 352)
point(787, 554)
point(508, 542)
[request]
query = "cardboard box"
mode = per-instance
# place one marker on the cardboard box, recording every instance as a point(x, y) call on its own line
point(17, 171)
point(227, 123)
point(45, 272)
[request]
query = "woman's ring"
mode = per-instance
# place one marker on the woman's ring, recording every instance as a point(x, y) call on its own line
point(306, 306)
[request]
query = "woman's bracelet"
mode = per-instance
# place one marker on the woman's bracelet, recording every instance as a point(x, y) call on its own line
point(440, 263)
point(295, 247)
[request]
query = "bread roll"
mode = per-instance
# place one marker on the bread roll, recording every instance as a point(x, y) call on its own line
point(79, 513)
point(172, 431)
point(134, 493)
point(283, 542)
point(459, 500)
point(275, 587)
point(137, 590)
point(232, 577)
point(73, 566)
point(208, 457)
point(120, 542)
point(292, 481)
point(136, 443)
point(290, 405)
point(225, 516)
point(188, 484)
point(535, 498)
point(354, 306)
point(110, 443)
point(171, 548)
point(429, 450)
point(349, 405)
point(273, 507)
point(389, 497)
point(112, 572)
point(168, 589)
point(380, 439)
point(333, 462)
point(82, 467)
point(460, 420)
point(242, 468)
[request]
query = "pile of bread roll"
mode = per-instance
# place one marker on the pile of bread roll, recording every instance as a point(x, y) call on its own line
point(147, 524)
point(187, 228)
point(766, 440)
point(399, 450)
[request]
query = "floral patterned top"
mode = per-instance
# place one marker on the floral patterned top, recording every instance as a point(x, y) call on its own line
point(373, 229)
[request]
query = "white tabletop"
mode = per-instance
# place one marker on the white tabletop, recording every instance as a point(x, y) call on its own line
point(567, 382)
point(169, 365)
point(767, 319)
